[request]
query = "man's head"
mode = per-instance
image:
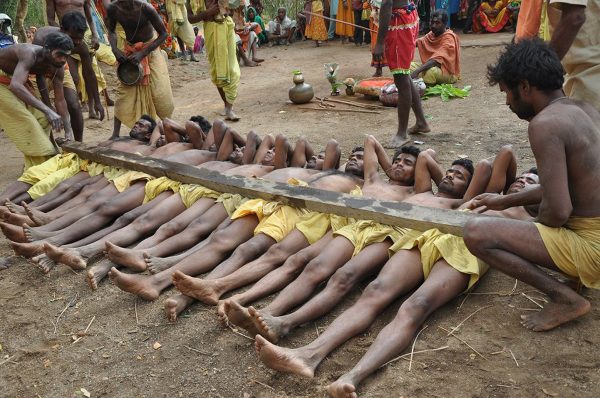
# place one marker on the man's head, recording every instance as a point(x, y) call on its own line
point(281, 13)
point(439, 22)
point(201, 121)
point(457, 178)
point(355, 164)
point(527, 178)
point(237, 154)
point(316, 161)
point(143, 128)
point(74, 24)
point(525, 69)
point(269, 158)
point(57, 48)
point(403, 164)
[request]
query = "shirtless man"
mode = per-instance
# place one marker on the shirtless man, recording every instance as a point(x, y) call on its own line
point(25, 119)
point(61, 7)
point(145, 32)
point(74, 25)
point(565, 236)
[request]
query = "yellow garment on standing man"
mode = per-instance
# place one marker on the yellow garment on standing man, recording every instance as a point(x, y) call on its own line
point(178, 22)
point(25, 125)
point(152, 95)
point(219, 41)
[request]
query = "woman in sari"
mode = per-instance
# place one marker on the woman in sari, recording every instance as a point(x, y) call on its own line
point(253, 17)
point(315, 24)
point(491, 16)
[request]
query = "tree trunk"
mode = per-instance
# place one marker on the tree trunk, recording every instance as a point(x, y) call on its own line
point(20, 21)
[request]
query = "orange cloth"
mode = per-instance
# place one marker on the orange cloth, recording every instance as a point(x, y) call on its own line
point(145, 63)
point(245, 35)
point(444, 48)
point(530, 19)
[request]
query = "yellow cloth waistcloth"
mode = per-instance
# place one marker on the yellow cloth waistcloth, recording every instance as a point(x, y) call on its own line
point(154, 99)
point(46, 176)
point(575, 248)
point(231, 202)
point(280, 222)
point(159, 185)
point(191, 193)
point(221, 52)
point(258, 207)
point(26, 126)
point(124, 181)
point(363, 233)
point(315, 225)
point(178, 22)
point(435, 245)
point(92, 168)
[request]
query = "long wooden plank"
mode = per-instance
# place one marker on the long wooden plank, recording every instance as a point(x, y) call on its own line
point(386, 212)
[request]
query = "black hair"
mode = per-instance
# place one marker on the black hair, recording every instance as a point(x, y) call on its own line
point(441, 14)
point(467, 164)
point(410, 150)
point(58, 41)
point(533, 170)
point(201, 121)
point(358, 149)
point(74, 21)
point(151, 120)
point(529, 60)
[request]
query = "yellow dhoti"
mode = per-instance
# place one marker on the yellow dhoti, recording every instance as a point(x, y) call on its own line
point(92, 168)
point(154, 98)
point(178, 22)
point(315, 225)
point(280, 223)
point(124, 180)
point(363, 233)
point(46, 176)
point(258, 207)
point(191, 193)
point(221, 52)
point(26, 126)
point(435, 245)
point(159, 185)
point(231, 202)
point(575, 248)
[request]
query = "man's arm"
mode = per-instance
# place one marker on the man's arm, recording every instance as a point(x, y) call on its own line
point(423, 68)
point(494, 201)
point(504, 170)
point(571, 20)
point(370, 161)
point(43, 89)
point(60, 104)
point(282, 151)
point(89, 79)
point(17, 87)
point(212, 10)
point(158, 26)
point(87, 9)
point(427, 169)
point(51, 12)
point(267, 143)
point(332, 155)
point(111, 24)
point(550, 154)
point(302, 153)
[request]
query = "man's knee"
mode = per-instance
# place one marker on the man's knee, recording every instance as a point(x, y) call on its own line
point(343, 279)
point(124, 219)
point(143, 224)
point(314, 271)
point(415, 309)
point(169, 229)
point(475, 233)
point(277, 252)
point(222, 237)
point(250, 249)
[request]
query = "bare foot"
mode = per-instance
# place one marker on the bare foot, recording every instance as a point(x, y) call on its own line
point(98, 272)
point(66, 255)
point(419, 129)
point(378, 73)
point(33, 235)
point(28, 250)
point(17, 219)
point(230, 115)
point(251, 64)
point(140, 285)
point(342, 389)
point(157, 264)
point(13, 232)
point(132, 259)
point(267, 325)
point(37, 216)
point(554, 314)
point(258, 60)
point(14, 208)
point(397, 142)
point(201, 289)
point(175, 306)
point(281, 359)
point(44, 263)
point(239, 316)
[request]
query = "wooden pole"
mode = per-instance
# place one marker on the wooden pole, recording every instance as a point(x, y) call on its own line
point(382, 211)
point(338, 21)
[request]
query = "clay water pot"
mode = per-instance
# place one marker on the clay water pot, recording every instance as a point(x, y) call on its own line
point(129, 73)
point(302, 92)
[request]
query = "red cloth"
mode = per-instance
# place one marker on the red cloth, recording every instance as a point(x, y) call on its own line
point(400, 39)
point(445, 49)
point(145, 62)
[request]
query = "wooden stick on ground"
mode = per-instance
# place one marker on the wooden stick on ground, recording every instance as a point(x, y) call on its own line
point(366, 106)
point(339, 110)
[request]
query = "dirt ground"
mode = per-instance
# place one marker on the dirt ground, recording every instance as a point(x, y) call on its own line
point(40, 315)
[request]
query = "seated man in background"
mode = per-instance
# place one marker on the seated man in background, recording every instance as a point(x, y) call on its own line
point(281, 29)
point(439, 51)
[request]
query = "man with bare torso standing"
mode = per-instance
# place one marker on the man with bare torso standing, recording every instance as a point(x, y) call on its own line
point(565, 138)
point(152, 94)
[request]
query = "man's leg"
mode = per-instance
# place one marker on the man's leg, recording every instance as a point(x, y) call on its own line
point(16, 190)
point(74, 108)
point(401, 273)
point(331, 30)
point(368, 261)
point(443, 284)
point(220, 244)
point(515, 247)
point(228, 110)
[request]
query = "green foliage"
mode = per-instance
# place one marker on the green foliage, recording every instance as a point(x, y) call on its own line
point(447, 91)
point(36, 13)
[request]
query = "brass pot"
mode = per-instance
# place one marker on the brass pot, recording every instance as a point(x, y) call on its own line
point(302, 92)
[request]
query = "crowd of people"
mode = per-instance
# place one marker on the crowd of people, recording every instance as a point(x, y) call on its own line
point(68, 210)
